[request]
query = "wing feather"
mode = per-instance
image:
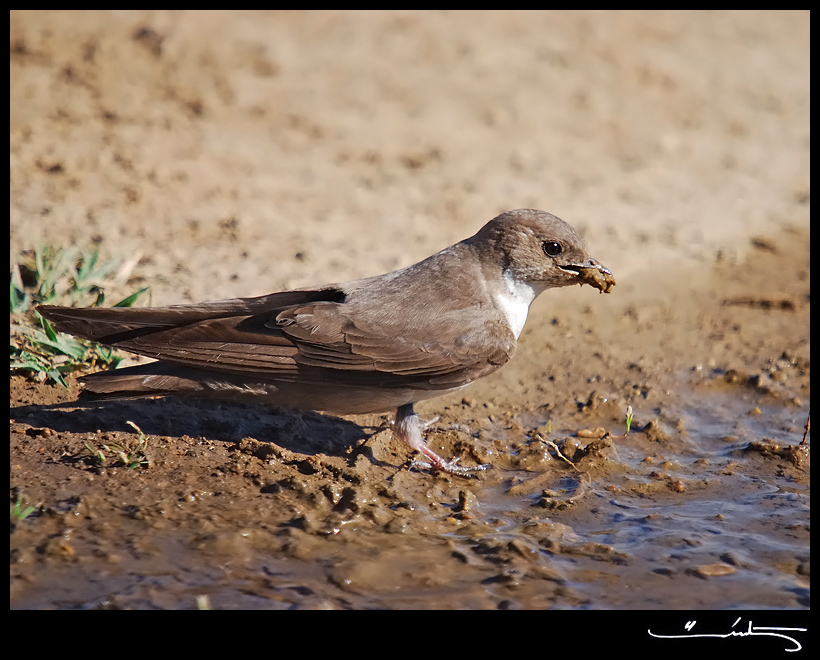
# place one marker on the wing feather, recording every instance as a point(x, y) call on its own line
point(295, 335)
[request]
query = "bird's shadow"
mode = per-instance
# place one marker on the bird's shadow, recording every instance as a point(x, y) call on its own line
point(304, 432)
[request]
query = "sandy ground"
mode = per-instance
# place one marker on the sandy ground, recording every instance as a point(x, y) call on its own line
point(236, 154)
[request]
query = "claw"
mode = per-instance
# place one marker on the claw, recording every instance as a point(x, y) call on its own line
point(450, 466)
point(408, 428)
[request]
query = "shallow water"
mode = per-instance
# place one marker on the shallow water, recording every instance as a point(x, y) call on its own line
point(728, 524)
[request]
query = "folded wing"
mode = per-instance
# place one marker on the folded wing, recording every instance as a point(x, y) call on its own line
point(290, 336)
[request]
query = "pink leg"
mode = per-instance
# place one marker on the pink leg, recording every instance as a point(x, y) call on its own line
point(408, 428)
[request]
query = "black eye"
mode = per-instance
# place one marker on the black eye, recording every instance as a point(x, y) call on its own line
point(552, 248)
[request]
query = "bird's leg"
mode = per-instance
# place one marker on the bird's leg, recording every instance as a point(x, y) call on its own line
point(408, 428)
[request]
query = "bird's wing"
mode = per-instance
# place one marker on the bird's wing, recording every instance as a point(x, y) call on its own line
point(295, 335)
point(330, 336)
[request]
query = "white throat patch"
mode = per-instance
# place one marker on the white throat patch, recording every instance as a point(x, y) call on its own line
point(514, 299)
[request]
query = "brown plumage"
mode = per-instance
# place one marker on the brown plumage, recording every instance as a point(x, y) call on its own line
point(364, 346)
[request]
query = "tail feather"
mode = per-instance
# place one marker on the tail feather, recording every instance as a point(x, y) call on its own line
point(144, 380)
point(110, 325)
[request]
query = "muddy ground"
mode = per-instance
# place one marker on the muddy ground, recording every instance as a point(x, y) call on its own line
point(236, 154)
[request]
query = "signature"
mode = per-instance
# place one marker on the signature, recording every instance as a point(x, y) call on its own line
point(750, 630)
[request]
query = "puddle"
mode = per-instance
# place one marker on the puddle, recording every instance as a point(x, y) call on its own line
point(697, 506)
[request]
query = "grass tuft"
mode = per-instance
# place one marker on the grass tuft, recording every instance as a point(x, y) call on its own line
point(65, 277)
point(129, 455)
point(21, 509)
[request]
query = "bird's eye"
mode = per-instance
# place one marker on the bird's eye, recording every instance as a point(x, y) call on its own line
point(552, 248)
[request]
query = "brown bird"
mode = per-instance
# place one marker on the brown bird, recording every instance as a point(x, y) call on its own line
point(365, 346)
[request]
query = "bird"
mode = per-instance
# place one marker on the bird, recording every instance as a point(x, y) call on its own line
point(366, 346)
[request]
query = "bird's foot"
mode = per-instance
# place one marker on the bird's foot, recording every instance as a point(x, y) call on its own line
point(449, 466)
point(408, 428)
